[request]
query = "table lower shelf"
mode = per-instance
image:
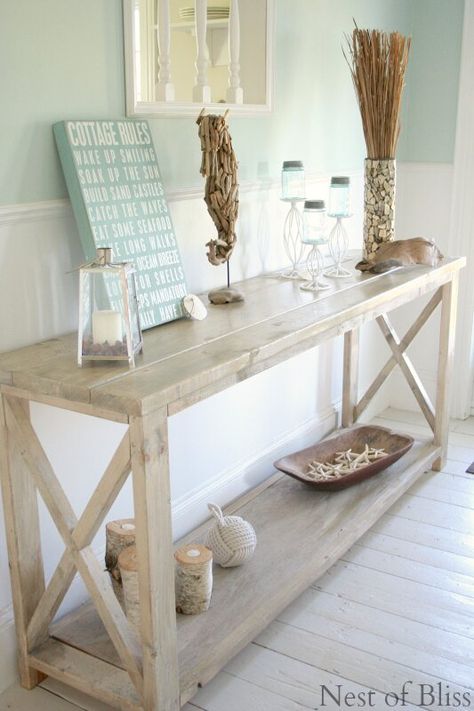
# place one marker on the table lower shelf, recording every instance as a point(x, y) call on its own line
point(301, 533)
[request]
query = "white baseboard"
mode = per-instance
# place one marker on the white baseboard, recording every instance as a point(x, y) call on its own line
point(191, 509)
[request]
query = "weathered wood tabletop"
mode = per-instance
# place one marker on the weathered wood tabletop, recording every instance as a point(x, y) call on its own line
point(235, 341)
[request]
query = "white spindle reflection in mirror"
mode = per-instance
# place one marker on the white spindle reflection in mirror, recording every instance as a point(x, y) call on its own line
point(164, 86)
point(235, 94)
point(201, 90)
point(181, 55)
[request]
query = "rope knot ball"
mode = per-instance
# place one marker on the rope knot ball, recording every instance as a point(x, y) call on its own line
point(232, 540)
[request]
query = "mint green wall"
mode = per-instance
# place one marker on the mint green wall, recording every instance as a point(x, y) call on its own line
point(433, 80)
point(64, 60)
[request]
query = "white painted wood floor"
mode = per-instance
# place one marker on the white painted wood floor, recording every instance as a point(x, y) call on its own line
point(399, 607)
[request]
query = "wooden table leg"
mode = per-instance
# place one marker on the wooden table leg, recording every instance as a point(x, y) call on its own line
point(447, 335)
point(350, 376)
point(151, 490)
point(20, 505)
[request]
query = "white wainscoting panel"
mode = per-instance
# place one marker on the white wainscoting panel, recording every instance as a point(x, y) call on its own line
point(424, 194)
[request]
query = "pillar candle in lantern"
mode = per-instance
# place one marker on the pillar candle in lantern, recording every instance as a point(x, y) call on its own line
point(106, 326)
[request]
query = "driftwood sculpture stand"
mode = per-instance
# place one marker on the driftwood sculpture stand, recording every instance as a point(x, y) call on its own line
point(119, 535)
point(193, 579)
point(219, 167)
point(128, 565)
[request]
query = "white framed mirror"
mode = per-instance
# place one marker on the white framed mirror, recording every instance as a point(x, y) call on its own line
point(182, 55)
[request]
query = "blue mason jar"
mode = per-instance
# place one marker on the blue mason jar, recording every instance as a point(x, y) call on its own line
point(292, 180)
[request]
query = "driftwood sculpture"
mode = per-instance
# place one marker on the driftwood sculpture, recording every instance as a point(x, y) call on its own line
point(401, 253)
point(219, 167)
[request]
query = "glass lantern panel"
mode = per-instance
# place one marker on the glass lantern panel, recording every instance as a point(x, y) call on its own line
point(102, 313)
point(134, 316)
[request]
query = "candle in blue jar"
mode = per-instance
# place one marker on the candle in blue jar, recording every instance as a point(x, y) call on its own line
point(339, 197)
point(292, 180)
point(314, 222)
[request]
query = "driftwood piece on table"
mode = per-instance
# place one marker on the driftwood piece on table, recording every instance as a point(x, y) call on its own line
point(128, 565)
point(219, 167)
point(193, 579)
point(225, 296)
point(401, 253)
point(119, 535)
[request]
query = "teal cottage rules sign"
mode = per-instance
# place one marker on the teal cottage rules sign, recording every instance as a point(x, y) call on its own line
point(118, 200)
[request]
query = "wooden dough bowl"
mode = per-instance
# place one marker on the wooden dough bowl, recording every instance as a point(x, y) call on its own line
point(355, 438)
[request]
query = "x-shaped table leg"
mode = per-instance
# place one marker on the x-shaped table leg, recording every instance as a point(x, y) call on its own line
point(77, 536)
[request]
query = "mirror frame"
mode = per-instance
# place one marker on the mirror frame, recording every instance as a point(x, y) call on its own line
point(144, 109)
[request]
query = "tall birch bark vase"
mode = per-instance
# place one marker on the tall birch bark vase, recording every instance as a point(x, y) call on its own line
point(379, 203)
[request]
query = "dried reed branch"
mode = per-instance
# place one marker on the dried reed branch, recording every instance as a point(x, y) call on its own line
point(378, 62)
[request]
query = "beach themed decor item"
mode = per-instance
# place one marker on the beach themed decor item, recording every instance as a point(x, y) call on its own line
point(378, 62)
point(231, 539)
point(338, 241)
point(119, 534)
point(109, 323)
point(293, 191)
point(194, 308)
point(119, 201)
point(193, 580)
point(219, 167)
point(314, 223)
point(402, 253)
point(346, 458)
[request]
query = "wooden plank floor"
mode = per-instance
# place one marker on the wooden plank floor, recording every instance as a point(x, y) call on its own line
point(398, 607)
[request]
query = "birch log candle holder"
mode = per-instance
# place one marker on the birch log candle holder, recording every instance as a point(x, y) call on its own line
point(119, 535)
point(128, 565)
point(193, 579)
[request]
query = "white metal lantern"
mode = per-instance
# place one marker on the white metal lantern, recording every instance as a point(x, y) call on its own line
point(109, 323)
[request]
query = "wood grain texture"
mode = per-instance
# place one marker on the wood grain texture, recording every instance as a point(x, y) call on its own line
point(20, 506)
point(383, 374)
point(447, 334)
point(80, 407)
point(363, 667)
point(363, 612)
point(350, 377)
point(406, 366)
point(183, 363)
point(92, 676)
point(60, 509)
point(87, 526)
point(286, 560)
point(183, 357)
point(154, 546)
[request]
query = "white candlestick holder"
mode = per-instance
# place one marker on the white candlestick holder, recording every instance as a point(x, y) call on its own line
point(292, 240)
point(338, 243)
point(314, 266)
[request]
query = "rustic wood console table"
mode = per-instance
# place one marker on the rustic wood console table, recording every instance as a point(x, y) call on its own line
point(94, 649)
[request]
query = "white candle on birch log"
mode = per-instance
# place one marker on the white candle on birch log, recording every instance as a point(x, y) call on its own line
point(193, 579)
point(106, 326)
